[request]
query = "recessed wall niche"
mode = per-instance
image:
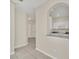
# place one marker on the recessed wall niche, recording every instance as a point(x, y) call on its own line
point(58, 18)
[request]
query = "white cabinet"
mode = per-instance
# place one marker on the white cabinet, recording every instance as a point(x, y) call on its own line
point(54, 46)
point(58, 47)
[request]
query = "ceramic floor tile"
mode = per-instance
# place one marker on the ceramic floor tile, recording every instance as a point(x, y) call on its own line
point(29, 52)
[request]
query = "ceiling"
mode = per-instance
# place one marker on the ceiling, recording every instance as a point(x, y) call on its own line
point(29, 5)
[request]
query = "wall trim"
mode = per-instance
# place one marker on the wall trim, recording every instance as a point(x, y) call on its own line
point(52, 57)
point(21, 45)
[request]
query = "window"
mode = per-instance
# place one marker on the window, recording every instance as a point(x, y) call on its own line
point(59, 18)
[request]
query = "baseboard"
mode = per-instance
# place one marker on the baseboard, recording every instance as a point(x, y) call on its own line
point(21, 45)
point(12, 53)
point(31, 37)
point(52, 57)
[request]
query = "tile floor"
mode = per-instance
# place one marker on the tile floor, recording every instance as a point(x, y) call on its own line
point(28, 52)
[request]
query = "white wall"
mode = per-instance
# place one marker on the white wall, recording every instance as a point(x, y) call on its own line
point(12, 27)
point(42, 18)
point(21, 28)
point(42, 24)
point(18, 28)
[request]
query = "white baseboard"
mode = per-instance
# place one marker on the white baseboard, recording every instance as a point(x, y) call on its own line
point(12, 53)
point(21, 45)
point(52, 57)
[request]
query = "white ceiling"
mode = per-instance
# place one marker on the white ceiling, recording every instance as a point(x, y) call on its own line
point(29, 5)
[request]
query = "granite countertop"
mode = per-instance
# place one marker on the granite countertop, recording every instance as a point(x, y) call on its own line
point(61, 35)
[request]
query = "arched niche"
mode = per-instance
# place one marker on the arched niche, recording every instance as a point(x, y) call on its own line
point(58, 18)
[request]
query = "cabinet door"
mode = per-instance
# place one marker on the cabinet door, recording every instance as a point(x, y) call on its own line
point(58, 47)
